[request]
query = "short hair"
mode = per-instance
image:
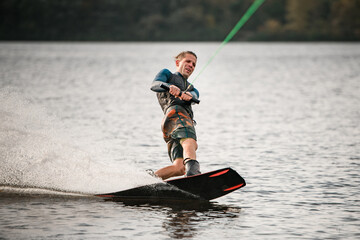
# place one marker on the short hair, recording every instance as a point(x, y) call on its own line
point(183, 53)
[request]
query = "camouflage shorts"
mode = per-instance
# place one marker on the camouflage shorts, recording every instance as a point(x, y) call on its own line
point(176, 125)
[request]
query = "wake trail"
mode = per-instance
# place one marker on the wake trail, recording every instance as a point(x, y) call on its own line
point(36, 153)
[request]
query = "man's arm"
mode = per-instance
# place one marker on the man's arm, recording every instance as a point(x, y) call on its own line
point(162, 77)
point(195, 93)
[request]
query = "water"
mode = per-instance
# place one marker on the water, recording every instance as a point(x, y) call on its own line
point(79, 118)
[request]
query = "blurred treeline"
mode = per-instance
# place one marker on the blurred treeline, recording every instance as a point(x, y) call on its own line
point(178, 20)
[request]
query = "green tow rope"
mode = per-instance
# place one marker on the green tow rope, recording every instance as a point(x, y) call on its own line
point(252, 9)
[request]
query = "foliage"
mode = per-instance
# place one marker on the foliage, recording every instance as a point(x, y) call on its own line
point(177, 20)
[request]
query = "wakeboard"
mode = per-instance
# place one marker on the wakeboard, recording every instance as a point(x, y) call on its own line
point(206, 186)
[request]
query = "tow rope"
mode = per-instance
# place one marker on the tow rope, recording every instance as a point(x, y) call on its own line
point(251, 10)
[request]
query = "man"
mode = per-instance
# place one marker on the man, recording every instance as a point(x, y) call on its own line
point(178, 125)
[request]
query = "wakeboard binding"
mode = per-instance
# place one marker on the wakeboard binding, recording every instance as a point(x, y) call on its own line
point(192, 167)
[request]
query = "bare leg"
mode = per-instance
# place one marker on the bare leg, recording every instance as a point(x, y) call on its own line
point(176, 169)
point(190, 146)
point(192, 166)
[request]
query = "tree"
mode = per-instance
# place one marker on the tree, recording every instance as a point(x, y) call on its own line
point(345, 21)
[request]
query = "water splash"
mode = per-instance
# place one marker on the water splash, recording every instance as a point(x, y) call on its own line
point(35, 152)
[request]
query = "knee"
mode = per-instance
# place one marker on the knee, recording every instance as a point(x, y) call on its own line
point(179, 166)
point(181, 171)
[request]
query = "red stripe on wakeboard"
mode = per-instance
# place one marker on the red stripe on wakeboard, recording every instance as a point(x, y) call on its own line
point(219, 173)
point(234, 187)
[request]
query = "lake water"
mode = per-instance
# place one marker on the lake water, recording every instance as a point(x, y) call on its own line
point(78, 119)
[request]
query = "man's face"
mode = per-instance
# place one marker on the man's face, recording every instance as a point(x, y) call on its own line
point(186, 65)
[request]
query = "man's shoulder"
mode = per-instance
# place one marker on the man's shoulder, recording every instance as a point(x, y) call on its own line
point(166, 72)
point(164, 76)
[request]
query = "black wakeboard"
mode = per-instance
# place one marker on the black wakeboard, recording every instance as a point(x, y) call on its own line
point(206, 186)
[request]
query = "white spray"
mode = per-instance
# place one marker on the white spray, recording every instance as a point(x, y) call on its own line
point(35, 153)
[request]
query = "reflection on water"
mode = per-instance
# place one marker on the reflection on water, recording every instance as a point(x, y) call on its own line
point(179, 219)
point(183, 218)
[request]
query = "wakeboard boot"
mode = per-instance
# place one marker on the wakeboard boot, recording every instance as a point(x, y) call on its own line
point(192, 167)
